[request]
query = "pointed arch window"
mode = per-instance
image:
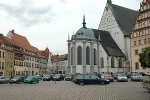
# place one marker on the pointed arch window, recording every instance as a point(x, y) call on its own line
point(112, 62)
point(102, 62)
point(120, 62)
point(87, 55)
point(94, 56)
point(72, 56)
point(79, 55)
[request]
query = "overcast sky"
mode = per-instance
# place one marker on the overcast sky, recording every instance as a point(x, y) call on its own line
point(47, 23)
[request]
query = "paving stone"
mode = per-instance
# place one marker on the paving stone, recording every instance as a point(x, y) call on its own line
point(66, 90)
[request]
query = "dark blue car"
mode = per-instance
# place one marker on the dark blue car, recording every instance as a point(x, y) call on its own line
point(89, 79)
point(47, 77)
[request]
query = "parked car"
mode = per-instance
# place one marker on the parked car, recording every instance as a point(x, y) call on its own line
point(136, 77)
point(3, 79)
point(58, 77)
point(122, 77)
point(109, 77)
point(31, 79)
point(68, 77)
point(128, 74)
point(39, 77)
point(47, 77)
point(17, 79)
point(116, 74)
point(90, 79)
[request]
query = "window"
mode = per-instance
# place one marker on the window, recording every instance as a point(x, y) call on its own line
point(3, 54)
point(136, 65)
point(95, 56)
point(112, 62)
point(102, 63)
point(134, 42)
point(145, 41)
point(149, 40)
point(136, 52)
point(79, 55)
point(2, 65)
point(87, 55)
point(0, 53)
point(139, 41)
point(120, 63)
point(72, 56)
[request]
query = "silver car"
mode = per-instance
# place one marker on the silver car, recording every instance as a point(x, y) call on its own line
point(136, 77)
point(3, 79)
point(122, 77)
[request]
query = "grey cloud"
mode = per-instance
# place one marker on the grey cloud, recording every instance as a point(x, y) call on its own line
point(29, 14)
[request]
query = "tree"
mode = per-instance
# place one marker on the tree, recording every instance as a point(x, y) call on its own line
point(144, 58)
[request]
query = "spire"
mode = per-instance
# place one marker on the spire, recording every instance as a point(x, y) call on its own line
point(109, 2)
point(68, 37)
point(84, 23)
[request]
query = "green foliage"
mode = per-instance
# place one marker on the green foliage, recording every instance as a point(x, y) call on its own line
point(144, 58)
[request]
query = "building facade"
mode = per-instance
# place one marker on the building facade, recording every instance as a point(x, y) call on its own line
point(118, 21)
point(140, 35)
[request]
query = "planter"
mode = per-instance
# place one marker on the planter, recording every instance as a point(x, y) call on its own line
point(148, 88)
point(145, 85)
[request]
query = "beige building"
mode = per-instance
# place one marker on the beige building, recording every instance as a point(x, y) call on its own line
point(6, 57)
point(140, 35)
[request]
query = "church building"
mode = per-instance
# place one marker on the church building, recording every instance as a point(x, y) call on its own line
point(106, 49)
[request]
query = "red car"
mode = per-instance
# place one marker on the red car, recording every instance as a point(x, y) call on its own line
point(109, 77)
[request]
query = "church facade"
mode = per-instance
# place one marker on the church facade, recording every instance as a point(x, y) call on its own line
point(106, 49)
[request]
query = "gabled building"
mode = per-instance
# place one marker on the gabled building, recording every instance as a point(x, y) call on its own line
point(140, 35)
point(30, 57)
point(53, 61)
point(118, 21)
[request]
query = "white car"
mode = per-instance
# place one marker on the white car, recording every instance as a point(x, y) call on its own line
point(122, 77)
point(136, 77)
point(3, 79)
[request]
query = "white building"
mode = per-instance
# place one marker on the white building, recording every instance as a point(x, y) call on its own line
point(118, 21)
point(92, 50)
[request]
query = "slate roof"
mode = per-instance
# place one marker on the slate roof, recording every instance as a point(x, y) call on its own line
point(108, 43)
point(125, 18)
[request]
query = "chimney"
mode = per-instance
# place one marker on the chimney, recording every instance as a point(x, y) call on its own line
point(1, 34)
point(12, 31)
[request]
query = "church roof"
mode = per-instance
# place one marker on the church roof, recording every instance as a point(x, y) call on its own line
point(108, 43)
point(125, 18)
point(84, 33)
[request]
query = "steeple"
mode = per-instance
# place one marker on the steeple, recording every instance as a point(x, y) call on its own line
point(109, 2)
point(84, 23)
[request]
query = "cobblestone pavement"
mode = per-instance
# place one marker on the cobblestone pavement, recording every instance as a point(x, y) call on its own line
point(66, 90)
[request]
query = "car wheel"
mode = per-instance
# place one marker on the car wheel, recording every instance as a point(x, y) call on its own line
point(24, 82)
point(31, 82)
point(37, 81)
point(10, 83)
point(81, 83)
point(102, 83)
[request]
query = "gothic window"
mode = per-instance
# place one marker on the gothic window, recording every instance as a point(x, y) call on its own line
point(120, 63)
point(112, 62)
point(72, 56)
point(102, 62)
point(87, 55)
point(79, 55)
point(94, 56)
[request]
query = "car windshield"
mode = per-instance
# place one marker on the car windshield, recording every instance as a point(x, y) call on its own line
point(136, 74)
point(68, 75)
point(1, 77)
point(57, 75)
point(121, 75)
point(46, 75)
point(16, 77)
point(30, 77)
